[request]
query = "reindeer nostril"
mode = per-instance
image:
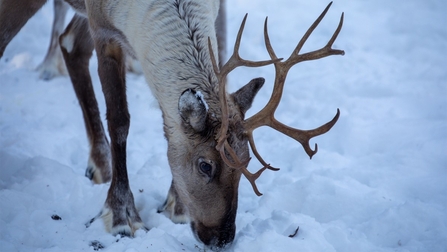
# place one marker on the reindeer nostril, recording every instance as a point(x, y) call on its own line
point(214, 237)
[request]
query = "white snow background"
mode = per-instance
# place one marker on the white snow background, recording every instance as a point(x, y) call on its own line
point(377, 183)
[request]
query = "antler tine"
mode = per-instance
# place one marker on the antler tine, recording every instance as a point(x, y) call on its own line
point(251, 177)
point(304, 136)
point(268, 45)
point(335, 35)
point(256, 153)
point(310, 30)
point(235, 59)
point(222, 134)
point(213, 59)
point(265, 117)
point(327, 50)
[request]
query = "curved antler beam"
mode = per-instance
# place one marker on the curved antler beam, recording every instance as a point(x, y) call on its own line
point(266, 117)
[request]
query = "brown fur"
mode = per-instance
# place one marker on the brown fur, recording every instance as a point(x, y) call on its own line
point(13, 16)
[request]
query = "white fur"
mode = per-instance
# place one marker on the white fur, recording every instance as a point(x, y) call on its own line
point(129, 228)
point(202, 98)
point(68, 42)
point(107, 217)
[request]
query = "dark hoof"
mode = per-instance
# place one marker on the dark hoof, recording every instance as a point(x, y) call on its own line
point(89, 172)
point(97, 245)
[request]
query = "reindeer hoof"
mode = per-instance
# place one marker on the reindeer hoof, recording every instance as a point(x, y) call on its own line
point(50, 70)
point(52, 66)
point(173, 208)
point(124, 230)
point(47, 75)
point(90, 172)
point(98, 175)
point(123, 221)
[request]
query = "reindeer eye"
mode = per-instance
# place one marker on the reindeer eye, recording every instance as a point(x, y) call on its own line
point(206, 168)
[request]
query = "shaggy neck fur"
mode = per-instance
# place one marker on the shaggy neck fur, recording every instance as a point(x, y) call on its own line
point(171, 42)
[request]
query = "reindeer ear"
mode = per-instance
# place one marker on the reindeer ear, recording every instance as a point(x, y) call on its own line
point(245, 95)
point(192, 109)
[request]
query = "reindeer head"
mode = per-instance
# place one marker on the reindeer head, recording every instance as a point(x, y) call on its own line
point(212, 152)
point(203, 181)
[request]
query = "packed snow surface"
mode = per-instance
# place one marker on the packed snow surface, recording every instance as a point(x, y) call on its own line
point(377, 183)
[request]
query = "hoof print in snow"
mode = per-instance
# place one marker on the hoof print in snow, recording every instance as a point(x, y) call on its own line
point(295, 233)
point(56, 217)
point(87, 225)
point(96, 245)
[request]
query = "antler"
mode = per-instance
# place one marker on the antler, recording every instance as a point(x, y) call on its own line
point(222, 143)
point(265, 117)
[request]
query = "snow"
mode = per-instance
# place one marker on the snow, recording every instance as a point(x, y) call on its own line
point(377, 183)
point(200, 96)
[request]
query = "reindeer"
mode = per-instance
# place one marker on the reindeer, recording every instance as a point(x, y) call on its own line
point(206, 129)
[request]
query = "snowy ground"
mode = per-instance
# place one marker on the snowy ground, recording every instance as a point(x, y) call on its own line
point(378, 182)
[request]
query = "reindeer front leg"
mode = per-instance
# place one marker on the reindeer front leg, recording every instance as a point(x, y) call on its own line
point(77, 46)
point(119, 214)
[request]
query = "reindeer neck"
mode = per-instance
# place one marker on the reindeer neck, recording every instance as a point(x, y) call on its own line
point(171, 43)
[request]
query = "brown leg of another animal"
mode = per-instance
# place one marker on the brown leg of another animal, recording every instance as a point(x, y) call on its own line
point(77, 46)
point(53, 65)
point(119, 214)
point(13, 16)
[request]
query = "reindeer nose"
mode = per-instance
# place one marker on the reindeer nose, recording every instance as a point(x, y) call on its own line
point(214, 237)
